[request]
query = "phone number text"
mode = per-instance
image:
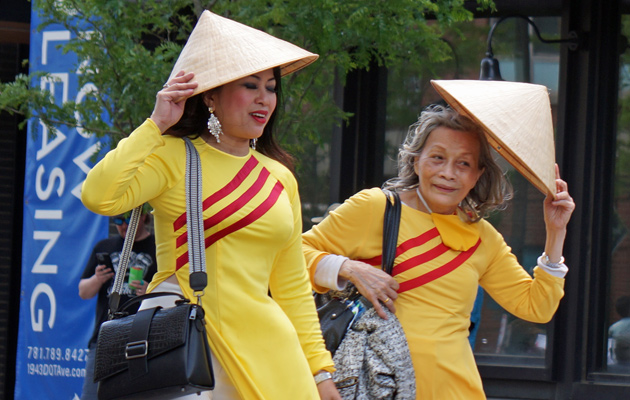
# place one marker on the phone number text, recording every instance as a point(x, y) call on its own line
point(56, 354)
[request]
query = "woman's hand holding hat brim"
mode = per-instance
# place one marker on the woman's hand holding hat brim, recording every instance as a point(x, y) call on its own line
point(558, 209)
point(170, 101)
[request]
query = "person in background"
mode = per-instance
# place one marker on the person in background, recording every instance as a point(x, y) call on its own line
point(447, 181)
point(621, 351)
point(97, 280)
point(475, 318)
point(622, 306)
point(619, 334)
point(223, 94)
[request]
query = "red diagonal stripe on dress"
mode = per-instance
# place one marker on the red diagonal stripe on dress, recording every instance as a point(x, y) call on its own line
point(440, 271)
point(420, 259)
point(406, 245)
point(232, 207)
point(248, 219)
point(223, 192)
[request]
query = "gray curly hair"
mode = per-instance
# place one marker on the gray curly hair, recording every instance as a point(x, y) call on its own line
point(492, 190)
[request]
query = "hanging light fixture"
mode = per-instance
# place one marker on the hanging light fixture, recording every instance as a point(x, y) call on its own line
point(490, 65)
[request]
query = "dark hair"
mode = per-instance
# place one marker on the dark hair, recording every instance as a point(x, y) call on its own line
point(622, 305)
point(194, 122)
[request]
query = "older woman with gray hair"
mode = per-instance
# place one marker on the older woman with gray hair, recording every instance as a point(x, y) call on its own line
point(448, 182)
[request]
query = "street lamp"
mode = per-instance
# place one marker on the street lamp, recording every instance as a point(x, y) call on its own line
point(490, 65)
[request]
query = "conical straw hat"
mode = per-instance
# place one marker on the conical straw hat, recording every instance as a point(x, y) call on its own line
point(517, 120)
point(220, 50)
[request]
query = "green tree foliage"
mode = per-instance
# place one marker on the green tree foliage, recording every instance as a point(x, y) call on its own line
point(126, 49)
point(406, 36)
point(348, 35)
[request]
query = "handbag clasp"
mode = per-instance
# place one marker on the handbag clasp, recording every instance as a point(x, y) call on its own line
point(136, 349)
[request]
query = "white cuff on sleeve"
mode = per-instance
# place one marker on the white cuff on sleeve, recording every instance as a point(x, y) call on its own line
point(557, 270)
point(327, 272)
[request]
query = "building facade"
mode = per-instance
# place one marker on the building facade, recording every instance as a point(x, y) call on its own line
point(569, 358)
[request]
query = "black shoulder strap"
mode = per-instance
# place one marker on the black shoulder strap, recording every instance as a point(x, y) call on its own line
point(391, 223)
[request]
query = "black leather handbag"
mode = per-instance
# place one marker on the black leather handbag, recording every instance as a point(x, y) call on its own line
point(336, 313)
point(158, 353)
point(335, 318)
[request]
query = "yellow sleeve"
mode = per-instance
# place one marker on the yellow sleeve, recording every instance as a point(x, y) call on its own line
point(290, 288)
point(348, 231)
point(130, 174)
point(532, 299)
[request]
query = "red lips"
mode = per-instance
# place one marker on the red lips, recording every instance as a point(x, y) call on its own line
point(260, 116)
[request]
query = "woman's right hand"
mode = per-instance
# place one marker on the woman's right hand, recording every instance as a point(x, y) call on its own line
point(373, 283)
point(103, 274)
point(170, 101)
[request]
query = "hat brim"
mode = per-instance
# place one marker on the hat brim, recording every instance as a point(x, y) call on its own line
point(220, 50)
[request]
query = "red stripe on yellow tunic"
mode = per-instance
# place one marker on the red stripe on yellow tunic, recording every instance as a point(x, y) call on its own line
point(223, 192)
point(438, 272)
point(405, 246)
point(258, 212)
point(232, 208)
point(423, 258)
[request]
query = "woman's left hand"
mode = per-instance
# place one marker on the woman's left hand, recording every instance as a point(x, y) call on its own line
point(140, 286)
point(558, 210)
point(328, 390)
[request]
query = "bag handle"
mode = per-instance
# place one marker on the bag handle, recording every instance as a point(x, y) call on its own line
point(391, 223)
point(138, 299)
point(194, 222)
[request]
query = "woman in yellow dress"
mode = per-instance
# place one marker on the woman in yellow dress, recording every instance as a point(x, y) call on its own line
point(264, 347)
point(447, 182)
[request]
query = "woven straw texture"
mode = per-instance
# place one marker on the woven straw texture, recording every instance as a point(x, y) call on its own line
point(517, 120)
point(220, 50)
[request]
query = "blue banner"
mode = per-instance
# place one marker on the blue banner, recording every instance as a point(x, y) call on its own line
point(59, 233)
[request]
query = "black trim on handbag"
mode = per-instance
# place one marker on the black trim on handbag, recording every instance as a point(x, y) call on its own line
point(158, 353)
point(336, 315)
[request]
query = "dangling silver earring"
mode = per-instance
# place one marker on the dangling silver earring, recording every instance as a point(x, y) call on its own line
point(214, 126)
point(252, 143)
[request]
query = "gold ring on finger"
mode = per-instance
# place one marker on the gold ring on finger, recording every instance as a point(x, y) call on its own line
point(386, 300)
